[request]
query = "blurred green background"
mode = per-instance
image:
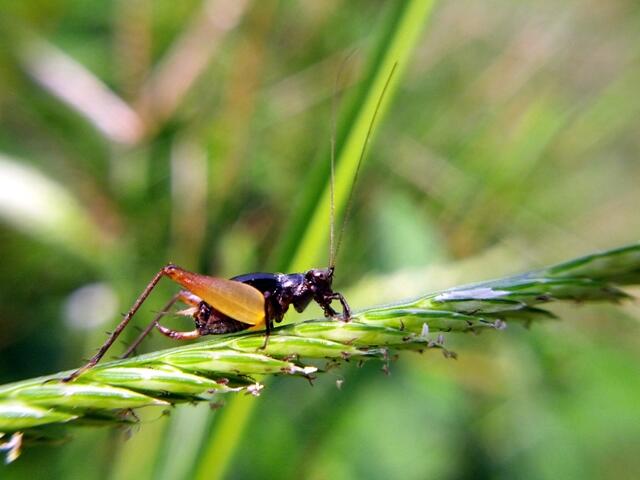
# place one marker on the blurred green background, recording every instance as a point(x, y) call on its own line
point(134, 132)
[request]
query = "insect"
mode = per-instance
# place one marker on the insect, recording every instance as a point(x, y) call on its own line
point(249, 301)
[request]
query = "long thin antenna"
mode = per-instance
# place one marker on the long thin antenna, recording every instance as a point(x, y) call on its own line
point(332, 180)
point(355, 177)
point(332, 198)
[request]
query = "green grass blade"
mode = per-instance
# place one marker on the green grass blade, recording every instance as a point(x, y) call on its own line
point(396, 47)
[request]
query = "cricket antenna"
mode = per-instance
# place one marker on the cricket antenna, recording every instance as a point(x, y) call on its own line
point(332, 199)
point(332, 180)
point(334, 252)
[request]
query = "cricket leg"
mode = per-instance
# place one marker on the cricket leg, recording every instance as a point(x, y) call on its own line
point(328, 310)
point(346, 311)
point(208, 320)
point(183, 296)
point(165, 271)
point(267, 332)
point(268, 319)
point(191, 335)
point(201, 310)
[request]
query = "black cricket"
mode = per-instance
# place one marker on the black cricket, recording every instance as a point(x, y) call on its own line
point(279, 290)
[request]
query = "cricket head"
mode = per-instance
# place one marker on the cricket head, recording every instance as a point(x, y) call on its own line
point(319, 280)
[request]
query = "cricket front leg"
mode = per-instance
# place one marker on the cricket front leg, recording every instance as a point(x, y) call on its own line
point(328, 310)
point(346, 311)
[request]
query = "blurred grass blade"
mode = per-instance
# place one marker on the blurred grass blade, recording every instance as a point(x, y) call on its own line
point(188, 58)
point(395, 49)
point(42, 208)
point(74, 84)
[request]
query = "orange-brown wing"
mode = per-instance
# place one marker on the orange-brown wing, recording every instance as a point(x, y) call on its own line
point(237, 300)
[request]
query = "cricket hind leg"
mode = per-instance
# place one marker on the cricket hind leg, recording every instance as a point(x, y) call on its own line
point(208, 321)
point(121, 326)
point(166, 271)
point(183, 296)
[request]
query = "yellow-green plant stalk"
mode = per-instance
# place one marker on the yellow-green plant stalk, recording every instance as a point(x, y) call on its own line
point(108, 393)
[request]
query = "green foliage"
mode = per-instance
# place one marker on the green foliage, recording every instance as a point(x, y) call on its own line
point(137, 133)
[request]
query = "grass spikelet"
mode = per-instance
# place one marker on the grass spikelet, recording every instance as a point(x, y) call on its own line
point(236, 363)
